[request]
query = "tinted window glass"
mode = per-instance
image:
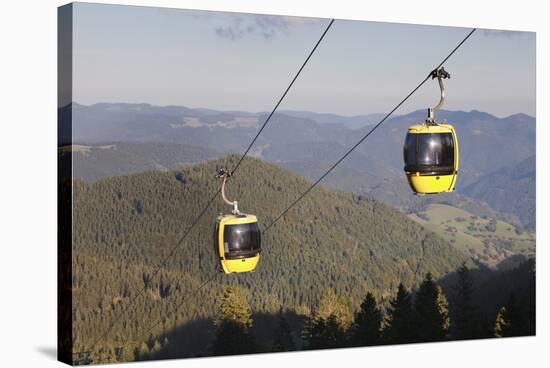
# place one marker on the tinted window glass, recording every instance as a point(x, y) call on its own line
point(448, 149)
point(429, 149)
point(245, 237)
point(410, 149)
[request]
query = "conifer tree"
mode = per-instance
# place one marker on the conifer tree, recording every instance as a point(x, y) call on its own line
point(334, 333)
point(127, 354)
point(465, 321)
point(284, 340)
point(366, 329)
point(431, 311)
point(234, 307)
point(501, 322)
point(399, 327)
point(233, 324)
point(143, 350)
point(313, 331)
point(328, 325)
point(156, 347)
point(509, 321)
point(532, 302)
point(332, 304)
point(232, 338)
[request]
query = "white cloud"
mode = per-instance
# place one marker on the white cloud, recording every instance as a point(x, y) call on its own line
point(266, 26)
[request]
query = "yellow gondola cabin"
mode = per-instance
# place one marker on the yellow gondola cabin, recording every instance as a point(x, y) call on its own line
point(431, 152)
point(431, 158)
point(238, 242)
point(237, 237)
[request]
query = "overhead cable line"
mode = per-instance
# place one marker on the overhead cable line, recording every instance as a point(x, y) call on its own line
point(369, 132)
point(211, 200)
point(282, 98)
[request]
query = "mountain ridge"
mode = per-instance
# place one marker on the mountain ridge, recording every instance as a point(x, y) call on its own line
point(379, 161)
point(292, 112)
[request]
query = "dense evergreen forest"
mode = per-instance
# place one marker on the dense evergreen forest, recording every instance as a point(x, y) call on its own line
point(338, 270)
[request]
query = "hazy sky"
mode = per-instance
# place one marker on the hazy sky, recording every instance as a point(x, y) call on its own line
point(232, 61)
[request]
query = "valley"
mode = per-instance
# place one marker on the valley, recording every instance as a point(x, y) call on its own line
point(486, 240)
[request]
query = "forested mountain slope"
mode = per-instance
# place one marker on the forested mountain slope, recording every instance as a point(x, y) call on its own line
point(125, 226)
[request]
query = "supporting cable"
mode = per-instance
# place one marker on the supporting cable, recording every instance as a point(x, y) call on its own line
point(368, 133)
point(163, 263)
point(282, 97)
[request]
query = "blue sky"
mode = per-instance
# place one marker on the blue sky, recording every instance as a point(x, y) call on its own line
point(232, 61)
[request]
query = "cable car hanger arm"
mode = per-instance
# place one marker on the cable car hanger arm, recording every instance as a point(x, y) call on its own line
point(440, 74)
point(225, 174)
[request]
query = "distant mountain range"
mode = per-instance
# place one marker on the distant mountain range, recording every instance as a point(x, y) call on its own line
point(94, 162)
point(352, 122)
point(510, 189)
point(307, 143)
